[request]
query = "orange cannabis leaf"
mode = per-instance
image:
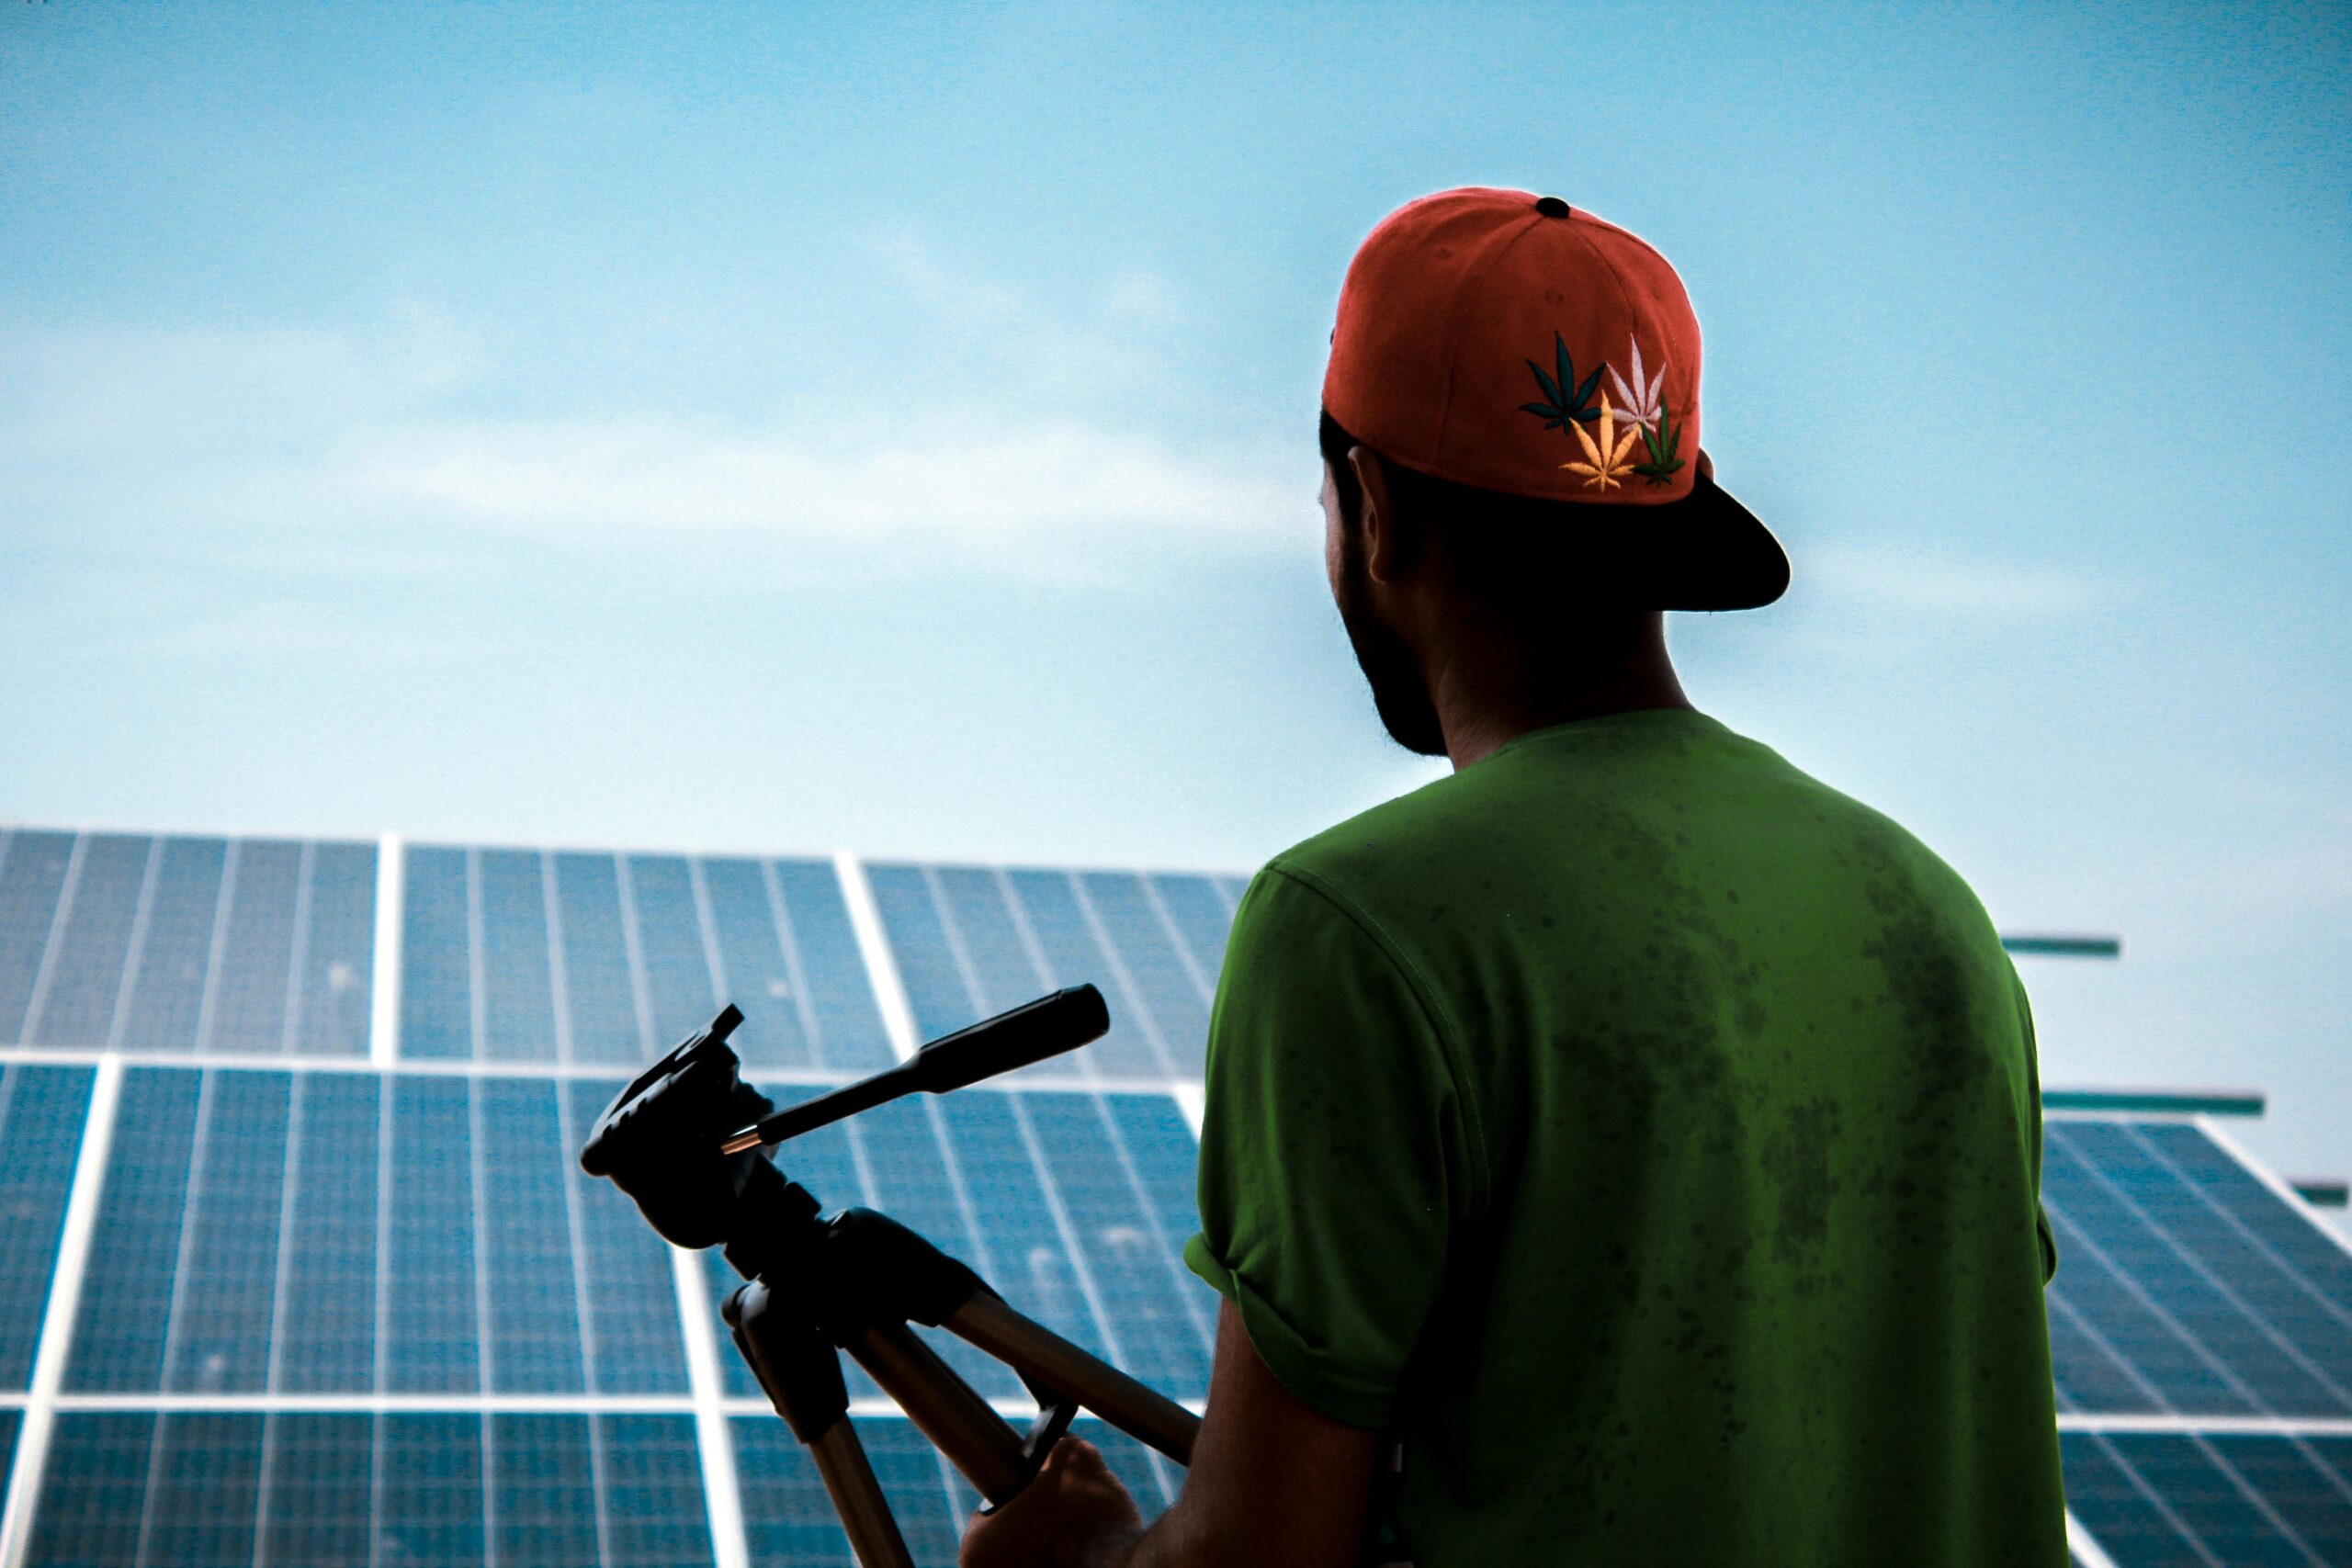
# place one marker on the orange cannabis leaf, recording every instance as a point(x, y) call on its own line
point(1607, 465)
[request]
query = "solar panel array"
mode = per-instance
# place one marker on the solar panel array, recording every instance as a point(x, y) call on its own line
point(293, 1272)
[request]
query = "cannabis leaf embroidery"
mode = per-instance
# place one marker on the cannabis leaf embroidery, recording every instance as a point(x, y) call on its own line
point(1640, 400)
point(1565, 400)
point(1661, 443)
point(1608, 453)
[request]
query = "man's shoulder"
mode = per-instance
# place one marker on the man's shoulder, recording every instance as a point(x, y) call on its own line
point(1611, 810)
point(1355, 867)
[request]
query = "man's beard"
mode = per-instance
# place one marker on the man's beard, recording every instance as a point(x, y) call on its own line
point(1398, 693)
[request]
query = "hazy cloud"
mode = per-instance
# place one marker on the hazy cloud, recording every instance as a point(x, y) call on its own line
point(250, 430)
point(1931, 580)
point(981, 484)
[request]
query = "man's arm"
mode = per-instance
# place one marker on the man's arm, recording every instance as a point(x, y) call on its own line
point(1271, 1482)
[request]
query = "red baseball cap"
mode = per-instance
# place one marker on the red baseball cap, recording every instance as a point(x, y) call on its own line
point(1512, 343)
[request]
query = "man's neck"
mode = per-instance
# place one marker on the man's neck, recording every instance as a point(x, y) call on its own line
point(1490, 693)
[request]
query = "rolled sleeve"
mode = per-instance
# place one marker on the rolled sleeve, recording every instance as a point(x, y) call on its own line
point(1334, 1170)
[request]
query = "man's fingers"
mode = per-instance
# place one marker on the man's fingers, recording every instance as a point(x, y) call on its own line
point(1072, 1510)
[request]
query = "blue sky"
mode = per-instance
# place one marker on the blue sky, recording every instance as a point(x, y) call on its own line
point(891, 428)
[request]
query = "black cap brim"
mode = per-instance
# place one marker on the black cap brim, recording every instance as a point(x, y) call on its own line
point(1704, 552)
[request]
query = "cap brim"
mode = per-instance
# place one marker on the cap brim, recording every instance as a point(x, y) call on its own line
point(1704, 552)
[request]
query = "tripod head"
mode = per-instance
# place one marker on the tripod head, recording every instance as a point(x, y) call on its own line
point(689, 1138)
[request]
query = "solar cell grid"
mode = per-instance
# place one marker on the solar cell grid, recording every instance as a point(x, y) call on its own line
point(74, 994)
point(914, 1182)
point(237, 1244)
point(426, 1502)
point(33, 867)
point(1167, 988)
point(528, 955)
point(651, 1513)
point(246, 946)
point(432, 1313)
point(2161, 1302)
point(167, 997)
point(246, 1007)
point(93, 1493)
point(831, 972)
point(972, 941)
point(531, 1291)
point(622, 1270)
point(599, 992)
point(681, 991)
point(1163, 1331)
point(2155, 1499)
point(324, 1320)
point(935, 990)
point(203, 1482)
point(42, 1109)
point(317, 1480)
point(1201, 918)
point(2318, 1264)
point(518, 986)
point(1066, 946)
point(543, 1478)
point(1037, 1271)
point(1000, 966)
point(225, 1281)
point(755, 971)
point(436, 969)
point(135, 1253)
point(330, 1014)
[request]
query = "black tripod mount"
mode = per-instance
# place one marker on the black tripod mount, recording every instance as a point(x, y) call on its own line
point(687, 1139)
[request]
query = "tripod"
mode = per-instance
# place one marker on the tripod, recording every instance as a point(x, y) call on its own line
point(817, 1288)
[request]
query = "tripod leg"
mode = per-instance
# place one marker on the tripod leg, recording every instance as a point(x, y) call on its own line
point(797, 1368)
point(959, 1423)
point(857, 1496)
point(1048, 1360)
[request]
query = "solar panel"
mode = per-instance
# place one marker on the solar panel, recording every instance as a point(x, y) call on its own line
point(336, 1311)
point(41, 1113)
point(332, 1232)
point(2155, 1498)
point(311, 1487)
point(523, 955)
point(2182, 1288)
point(973, 941)
point(226, 946)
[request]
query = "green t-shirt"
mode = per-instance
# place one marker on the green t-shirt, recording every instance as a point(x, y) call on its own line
point(1648, 1137)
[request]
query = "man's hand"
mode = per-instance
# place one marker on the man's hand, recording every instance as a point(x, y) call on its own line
point(1273, 1484)
point(1074, 1515)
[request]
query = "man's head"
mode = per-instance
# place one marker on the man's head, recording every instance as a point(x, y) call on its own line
point(1514, 487)
point(1421, 566)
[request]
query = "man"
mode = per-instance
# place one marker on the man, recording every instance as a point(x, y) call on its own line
point(1625, 1150)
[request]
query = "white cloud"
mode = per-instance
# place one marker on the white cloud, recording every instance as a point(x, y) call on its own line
point(982, 485)
point(124, 396)
point(1915, 580)
point(215, 439)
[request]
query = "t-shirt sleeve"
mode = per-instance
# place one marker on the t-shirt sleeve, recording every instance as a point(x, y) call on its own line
point(2033, 1098)
point(1335, 1170)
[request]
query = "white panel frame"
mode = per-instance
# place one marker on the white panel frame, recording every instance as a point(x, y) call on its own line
point(55, 1344)
point(2277, 1184)
point(873, 947)
point(384, 978)
point(2085, 1546)
point(722, 1493)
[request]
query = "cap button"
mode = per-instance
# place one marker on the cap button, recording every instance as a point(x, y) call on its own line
point(1551, 207)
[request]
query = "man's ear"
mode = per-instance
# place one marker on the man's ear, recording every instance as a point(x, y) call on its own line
point(1387, 548)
